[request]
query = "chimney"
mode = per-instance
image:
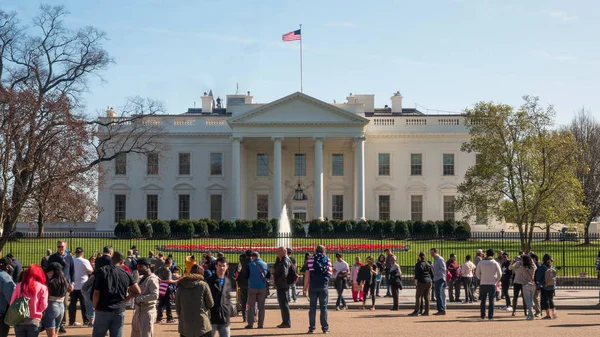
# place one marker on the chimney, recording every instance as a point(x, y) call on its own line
point(397, 102)
point(249, 99)
point(351, 99)
point(111, 113)
point(207, 103)
point(367, 100)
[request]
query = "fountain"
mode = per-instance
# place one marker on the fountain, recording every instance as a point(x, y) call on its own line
point(284, 234)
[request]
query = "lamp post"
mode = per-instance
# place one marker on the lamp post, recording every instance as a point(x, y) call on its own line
point(502, 232)
point(564, 239)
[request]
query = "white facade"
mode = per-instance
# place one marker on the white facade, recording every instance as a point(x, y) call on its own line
point(344, 175)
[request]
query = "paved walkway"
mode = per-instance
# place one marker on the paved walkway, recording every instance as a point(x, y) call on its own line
point(564, 299)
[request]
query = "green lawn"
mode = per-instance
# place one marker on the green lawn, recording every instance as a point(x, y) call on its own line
point(577, 258)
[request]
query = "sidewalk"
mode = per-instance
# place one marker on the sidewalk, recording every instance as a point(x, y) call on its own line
point(564, 299)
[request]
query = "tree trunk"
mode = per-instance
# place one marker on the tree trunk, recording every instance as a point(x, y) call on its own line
point(40, 223)
point(586, 232)
point(7, 227)
point(547, 232)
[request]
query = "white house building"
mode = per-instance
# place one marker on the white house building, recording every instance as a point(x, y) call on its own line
point(322, 160)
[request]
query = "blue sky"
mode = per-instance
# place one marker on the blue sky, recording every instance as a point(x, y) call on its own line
point(443, 55)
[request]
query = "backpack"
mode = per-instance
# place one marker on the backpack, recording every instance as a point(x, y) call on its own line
point(18, 311)
point(132, 263)
point(292, 276)
point(550, 277)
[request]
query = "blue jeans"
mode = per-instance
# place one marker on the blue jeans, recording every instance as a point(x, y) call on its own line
point(387, 282)
point(320, 295)
point(27, 330)
point(489, 291)
point(440, 294)
point(294, 292)
point(284, 305)
point(53, 315)
point(89, 305)
point(221, 329)
point(108, 321)
point(528, 291)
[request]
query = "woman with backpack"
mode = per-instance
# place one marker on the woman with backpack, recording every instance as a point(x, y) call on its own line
point(367, 276)
point(33, 286)
point(524, 271)
point(57, 291)
point(546, 282)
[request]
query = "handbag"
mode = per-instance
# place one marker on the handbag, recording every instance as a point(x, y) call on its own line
point(264, 278)
point(18, 311)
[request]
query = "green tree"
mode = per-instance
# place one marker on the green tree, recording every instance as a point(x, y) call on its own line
point(522, 164)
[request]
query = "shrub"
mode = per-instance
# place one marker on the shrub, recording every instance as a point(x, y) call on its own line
point(418, 228)
point(431, 229)
point(145, 228)
point(376, 226)
point(213, 226)
point(226, 226)
point(274, 225)
point(363, 227)
point(262, 226)
point(327, 227)
point(401, 229)
point(161, 228)
point(200, 227)
point(344, 227)
point(388, 227)
point(243, 226)
point(335, 223)
point(314, 228)
point(448, 227)
point(183, 228)
point(463, 230)
point(128, 229)
point(297, 227)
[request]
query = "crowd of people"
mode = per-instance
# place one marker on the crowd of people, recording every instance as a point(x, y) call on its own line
point(107, 283)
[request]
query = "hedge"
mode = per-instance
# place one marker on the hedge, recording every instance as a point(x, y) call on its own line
point(130, 228)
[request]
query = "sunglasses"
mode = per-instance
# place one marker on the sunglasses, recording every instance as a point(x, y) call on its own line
point(60, 246)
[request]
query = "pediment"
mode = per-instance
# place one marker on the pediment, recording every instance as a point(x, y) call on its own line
point(448, 187)
point(416, 186)
point(384, 188)
point(151, 187)
point(183, 186)
point(298, 109)
point(216, 187)
point(119, 186)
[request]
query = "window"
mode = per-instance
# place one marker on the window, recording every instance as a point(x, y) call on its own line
point(448, 207)
point(185, 164)
point(416, 164)
point(152, 207)
point(216, 164)
point(384, 164)
point(215, 207)
point(262, 165)
point(448, 164)
point(300, 215)
point(121, 164)
point(416, 207)
point(262, 206)
point(384, 207)
point(337, 164)
point(300, 164)
point(337, 207)
point(120, 207)
point(152, 164)
point(184, 206)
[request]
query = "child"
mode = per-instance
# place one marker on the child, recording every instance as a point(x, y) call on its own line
point(164, 294)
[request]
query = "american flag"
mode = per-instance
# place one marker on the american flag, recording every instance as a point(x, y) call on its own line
point(326, 269)
point(291, 36)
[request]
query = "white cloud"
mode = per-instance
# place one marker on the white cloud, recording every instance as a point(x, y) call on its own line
point(560, 15)
point(545, 54)
point(565, 58)
point(343, 24)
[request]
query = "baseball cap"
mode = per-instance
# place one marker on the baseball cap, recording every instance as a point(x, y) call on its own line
point(479, 251)
point(144, 261)
point(78, 250)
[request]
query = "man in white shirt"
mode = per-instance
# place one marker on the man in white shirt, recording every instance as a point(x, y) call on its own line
point(340, 272)
point(82, 269)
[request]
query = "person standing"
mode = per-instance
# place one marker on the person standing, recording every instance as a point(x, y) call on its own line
point(82, 269)
point(131, 264)
point(507, 276)
point(257, 290)
point(546, 282)
point(388, 265)
point(480, 256)
point(518, 282)
point(44, 262)
point(340, 272)
point(536, 294)
point(367, 278)
point(106, 258)
point(499, 259)
point(193, 303)
point(439, 280)
point(381, 269)
point(489, 274)
point(282, 269)
point(243, 275)
point(293, 287)
point(112, 284)
point(454, 281)
point(423, 282)
point(467, 272)
point(316, 280)
point(32, 286)
point(396, 281)
point(145, 303)
point(524, 271)
point(7, 286)
point(66, 261)
point(165, 292)
point(220, 289)
point(17, 267)
point(357, 292)
point(57, 290)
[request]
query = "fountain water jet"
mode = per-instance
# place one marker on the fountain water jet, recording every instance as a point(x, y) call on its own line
point(284, 234)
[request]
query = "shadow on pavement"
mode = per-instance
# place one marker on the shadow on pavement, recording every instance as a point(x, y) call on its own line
point(571, 325)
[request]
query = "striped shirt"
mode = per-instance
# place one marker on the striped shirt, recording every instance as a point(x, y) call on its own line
point(162, 289)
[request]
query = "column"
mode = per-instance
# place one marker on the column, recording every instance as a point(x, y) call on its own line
point(236, 195)
point(277, 179)
point(360, 177)
point(319, 178)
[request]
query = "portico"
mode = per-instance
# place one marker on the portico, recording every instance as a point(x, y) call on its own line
point(294, 131)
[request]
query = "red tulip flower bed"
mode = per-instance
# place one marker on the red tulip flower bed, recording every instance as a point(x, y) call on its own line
point(266, 248)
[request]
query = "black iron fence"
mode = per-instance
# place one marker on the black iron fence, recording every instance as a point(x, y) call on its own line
point(574, 259)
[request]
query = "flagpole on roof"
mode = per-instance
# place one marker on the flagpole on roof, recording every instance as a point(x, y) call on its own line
point(301, 58)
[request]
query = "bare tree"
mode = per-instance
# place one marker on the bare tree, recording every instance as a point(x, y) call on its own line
point(586, 131)
point(45, 139)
